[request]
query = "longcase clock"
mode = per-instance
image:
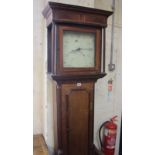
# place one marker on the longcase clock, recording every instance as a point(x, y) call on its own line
point(76, 59)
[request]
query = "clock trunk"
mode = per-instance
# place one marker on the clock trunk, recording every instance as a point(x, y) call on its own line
point(75, 118)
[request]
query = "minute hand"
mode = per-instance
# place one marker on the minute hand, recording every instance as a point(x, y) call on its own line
point(88, 49)
point(78, 50)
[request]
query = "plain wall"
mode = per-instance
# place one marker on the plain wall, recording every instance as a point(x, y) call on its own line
point(106, 105)
point(38, 66)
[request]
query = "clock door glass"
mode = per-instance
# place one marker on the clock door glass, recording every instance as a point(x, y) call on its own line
point(78, 49)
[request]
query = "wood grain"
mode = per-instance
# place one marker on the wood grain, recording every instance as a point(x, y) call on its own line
point(77, 118)
point(74, 95)
point(63, 13)
point(39, 145)
point(61, 17)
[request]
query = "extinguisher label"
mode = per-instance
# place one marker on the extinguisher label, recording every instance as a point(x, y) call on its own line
point(111, 143)
point(110, 138)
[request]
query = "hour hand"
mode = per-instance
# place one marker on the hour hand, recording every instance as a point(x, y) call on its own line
point(78, 49)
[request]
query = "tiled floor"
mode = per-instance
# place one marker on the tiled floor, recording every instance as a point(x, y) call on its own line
point(39, 145)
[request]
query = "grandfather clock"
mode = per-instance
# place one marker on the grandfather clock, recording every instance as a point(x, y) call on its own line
point(76, 59)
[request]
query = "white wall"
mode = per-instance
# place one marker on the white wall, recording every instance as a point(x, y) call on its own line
point(88, 3)
point(38, 67)
point(105, 107)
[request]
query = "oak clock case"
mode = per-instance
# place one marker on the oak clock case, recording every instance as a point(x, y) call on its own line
point(76, 59)
point(78, 50)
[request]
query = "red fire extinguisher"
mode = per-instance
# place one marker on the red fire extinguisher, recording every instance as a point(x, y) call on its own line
point(109, 136)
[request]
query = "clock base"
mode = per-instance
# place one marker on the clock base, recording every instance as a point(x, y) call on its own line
point(94, 151)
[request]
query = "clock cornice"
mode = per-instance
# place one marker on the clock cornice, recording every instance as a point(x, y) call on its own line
point(82, 15)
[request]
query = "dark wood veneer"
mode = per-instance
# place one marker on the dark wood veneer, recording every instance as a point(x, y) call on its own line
point(76, 78)
point(57, 12)
point(60, 17)
point(73, 88)
point(98, 34)
point(77, 118)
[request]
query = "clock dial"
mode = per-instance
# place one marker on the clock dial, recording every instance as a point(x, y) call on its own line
point(78, 49)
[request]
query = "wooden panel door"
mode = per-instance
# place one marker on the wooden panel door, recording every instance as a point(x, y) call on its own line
point(77, 118)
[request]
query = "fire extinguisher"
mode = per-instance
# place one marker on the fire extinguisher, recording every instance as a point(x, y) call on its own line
point(109, 136)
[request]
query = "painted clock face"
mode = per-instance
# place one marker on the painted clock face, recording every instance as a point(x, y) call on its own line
point(78, 49)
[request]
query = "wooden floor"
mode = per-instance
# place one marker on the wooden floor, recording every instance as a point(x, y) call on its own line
point(39, 145)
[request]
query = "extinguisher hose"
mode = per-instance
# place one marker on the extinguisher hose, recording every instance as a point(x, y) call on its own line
point(100, 129)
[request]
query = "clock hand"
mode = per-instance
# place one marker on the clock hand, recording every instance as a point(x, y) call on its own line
point(78, 49)
point(86, 49)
